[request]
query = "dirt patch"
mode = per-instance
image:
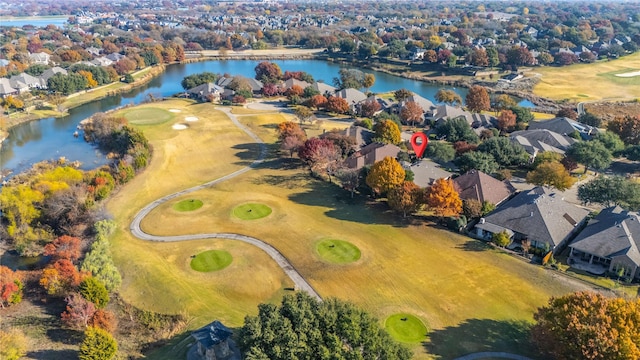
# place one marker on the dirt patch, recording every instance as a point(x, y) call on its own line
point(611, 110)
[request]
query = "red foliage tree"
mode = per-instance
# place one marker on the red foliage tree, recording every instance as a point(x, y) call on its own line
point(317, 101)
point(104, 319)
point(411, 112)
point(319, 154)
point(10, 287)
point(238, 99)
point(519, 55)
point(506, 120)
point(295, 90)
point(369, 107)
point(462, 147)
point(270, 90)
point(268, 72)
point(337, 105)
point(568, 113)
point(565, 58)
point(79, 312)
point(68, 273)
point(64, 247)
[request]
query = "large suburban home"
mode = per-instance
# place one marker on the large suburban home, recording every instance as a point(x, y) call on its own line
point(40, 58)
point(47, 74)
point(476, 185)
point(539, 215)
point(213, 342)
point(361, 136)
point(206, 92)
point(477, 121)
point(564, 126)
point(540, 140)
point(289, 83)
point(256, 85)
point(352, 96)
point(609, 243)
point(426, 104)
point(384, 103)
point(324, 89)
point(101, 61)
point(6, 89)
point(371, 154)
point(31, 82)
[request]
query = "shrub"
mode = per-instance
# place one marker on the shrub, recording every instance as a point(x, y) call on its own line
point(94, 290)
point(98, 344)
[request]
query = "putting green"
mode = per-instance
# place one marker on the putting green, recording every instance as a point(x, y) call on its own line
point(251, 211)
point(188, 205)
point(148, 116)
point(211, 260)
point(338, 251)
point(406, 328)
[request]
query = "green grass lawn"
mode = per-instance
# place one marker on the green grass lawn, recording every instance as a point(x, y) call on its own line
point(338, 251)
point(211, 260)
point(188, 205)
point(148, 116)
point(251, 211)
point(406, 328)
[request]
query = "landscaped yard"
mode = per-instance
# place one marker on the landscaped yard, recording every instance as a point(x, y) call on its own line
point(404, 268)
point(582, 82)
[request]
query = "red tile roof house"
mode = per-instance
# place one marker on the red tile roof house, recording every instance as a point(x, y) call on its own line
point(371, 154)
point(479, 186)
point(539, 215)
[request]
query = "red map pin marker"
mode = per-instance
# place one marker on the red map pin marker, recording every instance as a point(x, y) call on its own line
point(419, 148)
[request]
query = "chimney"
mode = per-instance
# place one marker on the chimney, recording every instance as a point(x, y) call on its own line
point(482, 220)
point(531, 214)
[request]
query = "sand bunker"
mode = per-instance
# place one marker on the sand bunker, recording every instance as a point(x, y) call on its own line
point(175, 110)
point(179, 127)
point(191, 118)
point(629, 74)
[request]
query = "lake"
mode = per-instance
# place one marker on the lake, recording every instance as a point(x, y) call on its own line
point(52, 138)
point(37, 21)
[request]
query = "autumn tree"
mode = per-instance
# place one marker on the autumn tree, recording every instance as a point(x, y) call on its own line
point(294, 91)
point(387, 132)
point(64, 247)
point(519, 56)
point(345, 143)
point(568, 113)
point(369, 107)
point(402, 94)
point(350, 179)
point(628, 128)
point(268, 72)
point(320, 155)
point(368, 81)
point(78, 313)
point(477, 99)
point(503, 102)
point(14, 344)
point(105, 320)
point(10, 287)
point(290, 128)
point(337, 105)
point(270, 90)
point(385, 175)
point(588, 325)
point(317, 101)
point(443, 199)
point(472, 208)
point(97, 344)
point(479, 58)
point(405, 198)
point(506, 120)
point(449, 97)
point(303, 113)
point(551, 174)
point(411, 112)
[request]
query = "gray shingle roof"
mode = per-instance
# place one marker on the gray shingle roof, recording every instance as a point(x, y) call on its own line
point(614, 232)
point(482, 187)
point(212, 334)
point(540, 213)
point(352, 96)
point(562, 125)
point(542, 140)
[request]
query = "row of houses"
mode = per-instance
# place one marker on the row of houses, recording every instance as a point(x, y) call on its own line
point(24, 82)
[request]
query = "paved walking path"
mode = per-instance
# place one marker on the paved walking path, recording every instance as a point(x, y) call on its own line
point(298, 280)
point(499, 355)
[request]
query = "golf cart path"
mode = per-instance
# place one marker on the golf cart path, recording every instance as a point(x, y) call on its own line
point(281, 260)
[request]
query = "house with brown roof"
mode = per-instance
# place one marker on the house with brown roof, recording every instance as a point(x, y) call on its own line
point(289, 83)
point(479, 186)
point(609, 243)
point(371, 154)
point(539, 215)
point(361, 136)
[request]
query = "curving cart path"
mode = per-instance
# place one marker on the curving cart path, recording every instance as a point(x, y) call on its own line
point(294, 275)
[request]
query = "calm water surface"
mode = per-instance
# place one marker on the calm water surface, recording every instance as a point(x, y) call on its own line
point(58, 21)
point(51, 138)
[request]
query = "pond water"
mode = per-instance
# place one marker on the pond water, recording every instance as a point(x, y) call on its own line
point(36, 21)
point(52, 138)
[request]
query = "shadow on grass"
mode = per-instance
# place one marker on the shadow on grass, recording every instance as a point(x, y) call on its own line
point(66, 354)
point(247, 152)
point(480, 335)
point(475, 245)
point(272, 161)
point(343, 207)
point(65, 336)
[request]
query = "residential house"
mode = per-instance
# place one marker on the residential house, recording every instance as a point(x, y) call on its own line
point(477, 121)
point(610, 242)
point(425, 172)
point(47, 74)
point(205, 92)
point(20, 80)
point(417, 54)
point(426, 104)
point(476, 185)
point(324, 89)
point(352, 96)
point(371, 154)
point(291, 82)
point(539, 215)
point(256, 85)
point(6, 89)
point(101, 61)
point(361, 136)
point(40, 58)
point(93, 50)
point(115, 57)
point(384, 103)
point(213, 342)
point(564, 126)
point(539, 140)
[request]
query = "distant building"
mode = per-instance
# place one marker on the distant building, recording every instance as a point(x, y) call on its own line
point(213, 342)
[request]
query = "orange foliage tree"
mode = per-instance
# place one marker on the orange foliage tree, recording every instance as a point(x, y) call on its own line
point(64, 247)
point(588, 325)
point(443, 198)
point(10, 287)
point(506, 120)
point(405, 198)
point(411, 113)
point(385, 175)
point(104, 319)
point(337, 105)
